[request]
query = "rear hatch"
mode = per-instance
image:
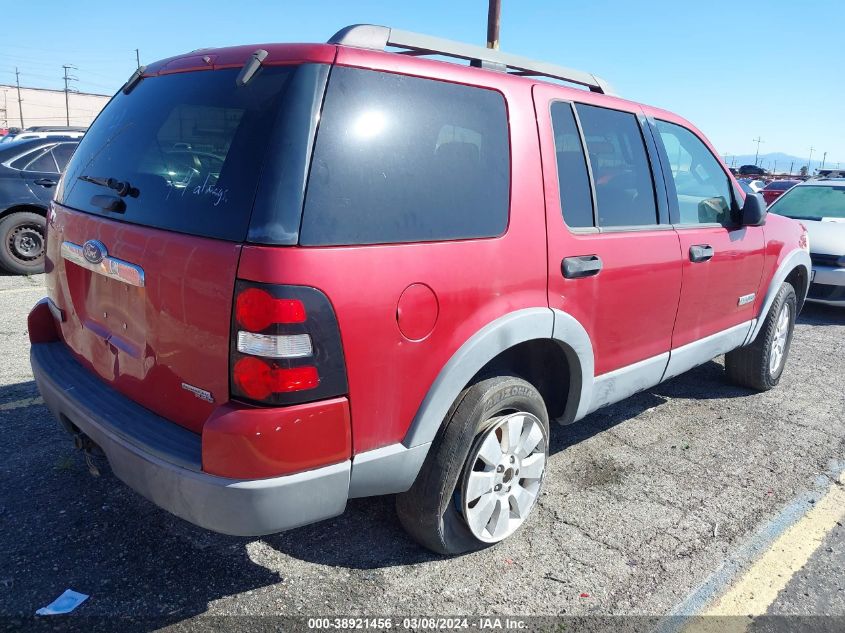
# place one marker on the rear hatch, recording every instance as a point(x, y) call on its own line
point(146, 232)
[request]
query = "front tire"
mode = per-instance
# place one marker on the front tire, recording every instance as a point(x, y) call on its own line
point(22, 243)
point(483, 473)
point(760, 365)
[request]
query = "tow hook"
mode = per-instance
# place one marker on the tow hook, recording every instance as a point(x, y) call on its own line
point(90, 450)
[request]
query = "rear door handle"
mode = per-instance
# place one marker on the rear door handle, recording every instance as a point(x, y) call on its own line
point(45, 182)
point(581, 266)
point(700, 253)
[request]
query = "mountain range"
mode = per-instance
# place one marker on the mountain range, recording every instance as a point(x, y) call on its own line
point(779, 162)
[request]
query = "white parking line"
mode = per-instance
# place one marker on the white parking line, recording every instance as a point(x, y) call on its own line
point(20, 404)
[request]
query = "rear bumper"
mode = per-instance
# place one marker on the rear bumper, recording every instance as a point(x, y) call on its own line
point(163, 462)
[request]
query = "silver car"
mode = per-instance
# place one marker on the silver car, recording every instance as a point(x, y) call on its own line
point(820, 206)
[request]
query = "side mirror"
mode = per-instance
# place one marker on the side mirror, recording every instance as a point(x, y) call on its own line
point(754, 211)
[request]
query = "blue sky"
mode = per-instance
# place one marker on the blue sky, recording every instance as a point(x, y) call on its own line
point(736, 70)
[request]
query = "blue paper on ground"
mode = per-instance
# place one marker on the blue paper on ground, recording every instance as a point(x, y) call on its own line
point(65, 603)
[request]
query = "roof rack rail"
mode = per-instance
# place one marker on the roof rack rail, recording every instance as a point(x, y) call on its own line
point(376, 37)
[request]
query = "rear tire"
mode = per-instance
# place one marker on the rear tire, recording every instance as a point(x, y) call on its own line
point(760, 365)
point(432, 511)
point(22, 243)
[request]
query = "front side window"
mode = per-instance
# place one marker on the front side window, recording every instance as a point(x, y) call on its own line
point(405, 159)
point(702, 187)
point(620, 166)
point(576, 200)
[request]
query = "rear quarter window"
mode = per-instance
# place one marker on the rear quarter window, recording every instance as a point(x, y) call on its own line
point(404, 159)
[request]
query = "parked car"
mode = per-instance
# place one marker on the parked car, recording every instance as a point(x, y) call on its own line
point(29, 171)
point(398, 300)
point(751, 170)
point(820, 206)
point(28, 134)
point(776, 189)
point(756, 186)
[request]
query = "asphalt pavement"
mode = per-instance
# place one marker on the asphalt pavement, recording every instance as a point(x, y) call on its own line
point(644, 502)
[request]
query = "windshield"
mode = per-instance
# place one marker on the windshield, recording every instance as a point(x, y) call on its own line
point(812, 202)
point(183, 151)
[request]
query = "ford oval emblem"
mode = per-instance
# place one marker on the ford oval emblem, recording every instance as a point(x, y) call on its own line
point(94, 251)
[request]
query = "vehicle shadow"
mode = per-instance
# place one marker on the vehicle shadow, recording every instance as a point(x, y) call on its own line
point(706, 382)
point(63, 528)
point(821, 314)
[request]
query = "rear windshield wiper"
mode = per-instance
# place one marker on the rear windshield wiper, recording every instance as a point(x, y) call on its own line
point(122, 187)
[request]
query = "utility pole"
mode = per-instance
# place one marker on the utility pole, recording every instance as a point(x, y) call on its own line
point(791, 165)
point(824, 158)
point(20, 101)
point(67, 91)
point(494, 13)
point(138, 58)
point(810, 160)
point(757, 140)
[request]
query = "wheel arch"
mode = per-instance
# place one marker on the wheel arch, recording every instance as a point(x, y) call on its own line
point(23, 208)
point(796, 266)
point(558, 336)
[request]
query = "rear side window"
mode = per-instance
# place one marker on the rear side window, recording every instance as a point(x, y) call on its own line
point(62, 153)
point(621, 170)
point(44, 162)
point(192, 144)
point(404, 159)
point(576, 200)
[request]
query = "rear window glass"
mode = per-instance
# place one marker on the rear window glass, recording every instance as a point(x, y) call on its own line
point(191, 144)
point(780, 185)
point(621, 170)
point(403, 159)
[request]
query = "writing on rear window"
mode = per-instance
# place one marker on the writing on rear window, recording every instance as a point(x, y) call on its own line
point(191, 145)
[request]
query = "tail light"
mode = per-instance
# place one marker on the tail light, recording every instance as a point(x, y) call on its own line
point(285, 345)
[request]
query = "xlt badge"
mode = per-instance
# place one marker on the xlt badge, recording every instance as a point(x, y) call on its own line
point(202, 394)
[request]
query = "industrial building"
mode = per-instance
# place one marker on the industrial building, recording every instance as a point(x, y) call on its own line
point(39, 106)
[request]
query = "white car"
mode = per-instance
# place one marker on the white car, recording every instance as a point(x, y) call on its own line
point(820, 206)
point(755, 185)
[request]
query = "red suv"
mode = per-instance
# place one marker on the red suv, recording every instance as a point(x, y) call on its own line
point(286, 277)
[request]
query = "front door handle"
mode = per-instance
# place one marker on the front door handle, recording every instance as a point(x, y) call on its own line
point(581, 266)
point(46, 182)
point(700, 253)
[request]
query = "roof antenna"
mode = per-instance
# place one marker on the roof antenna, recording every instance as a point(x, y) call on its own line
point(250, 67)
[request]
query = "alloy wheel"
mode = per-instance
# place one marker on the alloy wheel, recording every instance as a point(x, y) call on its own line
point(777, 353)
point(502, 478)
